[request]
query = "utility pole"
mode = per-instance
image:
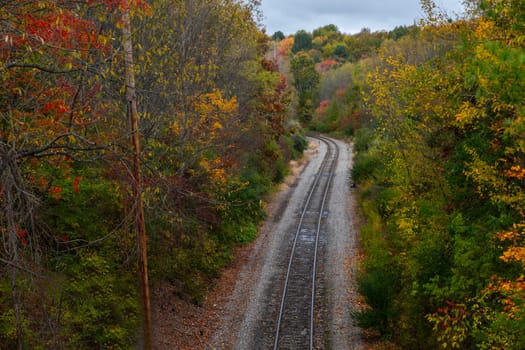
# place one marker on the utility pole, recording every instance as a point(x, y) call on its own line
point(131, 101)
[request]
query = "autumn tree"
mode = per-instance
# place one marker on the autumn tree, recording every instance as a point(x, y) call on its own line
point(208, 113)
point(330, 32)
point(57, 122)
point(215, 134)
point(306, 82)
point(50, 53)
point(442, 185)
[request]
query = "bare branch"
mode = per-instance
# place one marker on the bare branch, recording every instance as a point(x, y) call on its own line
point(36, 66)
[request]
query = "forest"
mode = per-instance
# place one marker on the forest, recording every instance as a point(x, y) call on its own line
point(437, 115)
point(214, 137)
point(139, 141)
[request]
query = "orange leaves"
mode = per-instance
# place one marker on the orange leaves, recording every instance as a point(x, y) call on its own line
point(285, 46)
point(326, 65)
point(510, 286)
point(512, 290)
point(516, 236)
point(514, 254)
point(516, 172)
point(214, 102)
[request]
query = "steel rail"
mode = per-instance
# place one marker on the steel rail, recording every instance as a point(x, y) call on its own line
point(327, 163)
point(325, 195)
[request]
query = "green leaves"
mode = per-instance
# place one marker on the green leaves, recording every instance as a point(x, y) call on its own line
point(101, 310)
point(444, 174)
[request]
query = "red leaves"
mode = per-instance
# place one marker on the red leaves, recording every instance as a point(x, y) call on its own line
point(22, 234)
point(55, 192)
point(322, 107)
point(76, 184)
point(122, 5)
point(56, 107)
point(326, 65)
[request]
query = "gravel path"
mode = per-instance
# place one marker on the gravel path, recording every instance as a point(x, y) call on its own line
point(341, 263)
point(243, 317)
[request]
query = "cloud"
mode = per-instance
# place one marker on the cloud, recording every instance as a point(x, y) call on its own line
point(349, 15)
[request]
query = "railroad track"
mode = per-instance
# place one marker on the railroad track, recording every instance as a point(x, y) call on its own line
point(295, 326)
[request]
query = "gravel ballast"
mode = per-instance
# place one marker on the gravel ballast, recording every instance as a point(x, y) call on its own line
point(243, 317)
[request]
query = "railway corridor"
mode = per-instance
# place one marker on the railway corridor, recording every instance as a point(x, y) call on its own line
point(298, 291)
point(295, 325)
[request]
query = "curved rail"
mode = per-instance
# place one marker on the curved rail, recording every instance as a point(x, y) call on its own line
point(316, 199)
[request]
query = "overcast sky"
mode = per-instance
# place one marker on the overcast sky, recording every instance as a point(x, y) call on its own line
point(350, 16)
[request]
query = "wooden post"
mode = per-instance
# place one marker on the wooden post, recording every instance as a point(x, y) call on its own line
point(131, 100)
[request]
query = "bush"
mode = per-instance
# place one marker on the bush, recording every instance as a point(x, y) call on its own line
point(379, 287)
point(365, 165)
point(300, 143)
point(102, 306)
point(364, 138)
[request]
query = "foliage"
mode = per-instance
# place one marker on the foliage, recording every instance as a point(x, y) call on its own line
point(302, 41)
point(214, 120)
point(278, 36)
point(306, 81)
point(102, 308)
point(441, 185)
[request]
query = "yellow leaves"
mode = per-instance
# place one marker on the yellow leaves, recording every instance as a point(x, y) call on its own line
point(468, 114)
point(490, 183)
point(214, 102)
point(485, 29)
point(175, 127)
point(215, 170)
point(213, 112)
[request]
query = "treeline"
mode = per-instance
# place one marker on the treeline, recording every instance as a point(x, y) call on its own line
point(325, 68)
point(216, 136)
point(438, 117)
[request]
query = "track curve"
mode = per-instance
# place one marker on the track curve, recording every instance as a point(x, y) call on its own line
point(295, 326)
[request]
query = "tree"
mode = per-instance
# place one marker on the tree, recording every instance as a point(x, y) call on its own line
point(443, 180)
point(46, 116)
point(302, 41)
point(341, 51)
point(306, 83)
point(278, 36)
point(58, 115)
point(330, 32)
point(212, 137)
